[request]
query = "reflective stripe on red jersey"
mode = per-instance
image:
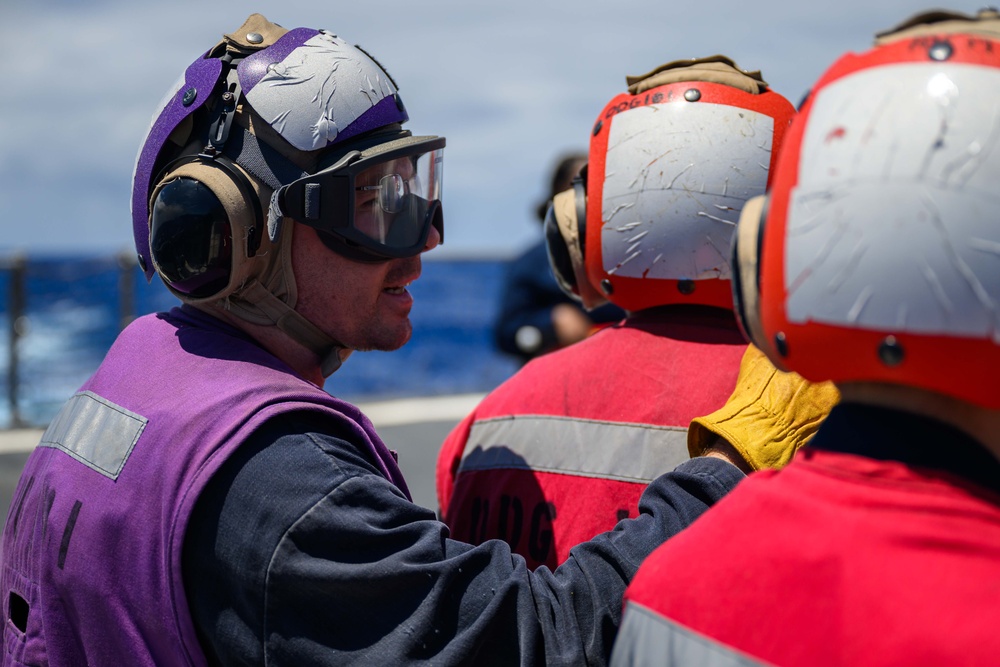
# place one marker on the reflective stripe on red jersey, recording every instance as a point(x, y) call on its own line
point(598, 449)
point(647, 639)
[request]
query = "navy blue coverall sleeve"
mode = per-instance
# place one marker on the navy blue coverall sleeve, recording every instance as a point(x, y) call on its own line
point(300, 553)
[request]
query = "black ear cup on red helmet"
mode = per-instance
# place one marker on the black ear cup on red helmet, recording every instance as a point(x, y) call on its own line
point(745, 262)
point(559, 257)
point(191, 234)
point(580, 199)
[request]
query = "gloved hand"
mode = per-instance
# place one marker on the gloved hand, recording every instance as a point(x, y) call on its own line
point(770, 414)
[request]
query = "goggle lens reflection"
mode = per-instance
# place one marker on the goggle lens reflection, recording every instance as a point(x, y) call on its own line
point(391, 190)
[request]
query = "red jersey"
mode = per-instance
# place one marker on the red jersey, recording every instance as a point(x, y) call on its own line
point(839, 559)
point(562, 451)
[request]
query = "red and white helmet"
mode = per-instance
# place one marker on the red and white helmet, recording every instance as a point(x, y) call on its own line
point(671, 163)
point(876, 256)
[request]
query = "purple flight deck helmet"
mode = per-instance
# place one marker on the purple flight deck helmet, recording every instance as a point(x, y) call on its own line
point(311, 87)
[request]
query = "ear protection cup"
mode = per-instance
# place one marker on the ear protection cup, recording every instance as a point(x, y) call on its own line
point(559, 256)
point(205, 221)
point(190, 238)
point(580, 201)
point(746, 248)
point(565, 228)
point(565, 239)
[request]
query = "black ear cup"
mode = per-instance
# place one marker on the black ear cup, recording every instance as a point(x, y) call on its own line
point(745, 262)
point(580, 199)
point(559, 257)
point(192, 237)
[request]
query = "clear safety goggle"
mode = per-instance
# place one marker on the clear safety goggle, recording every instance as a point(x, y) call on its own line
point(390, 191)
point(373, 205)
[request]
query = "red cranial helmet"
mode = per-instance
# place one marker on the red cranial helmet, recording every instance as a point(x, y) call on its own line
point(671, 164)
point(876, 256)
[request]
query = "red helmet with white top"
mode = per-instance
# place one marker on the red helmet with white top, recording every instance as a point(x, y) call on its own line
point(876, 255)
point(671, 163)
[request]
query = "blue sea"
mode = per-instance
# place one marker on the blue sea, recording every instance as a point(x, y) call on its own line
point(74, 307)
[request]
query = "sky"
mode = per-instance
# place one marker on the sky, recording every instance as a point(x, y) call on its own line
point(511, 85)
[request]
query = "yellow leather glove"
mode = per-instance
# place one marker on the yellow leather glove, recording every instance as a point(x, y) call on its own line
point(770, 414)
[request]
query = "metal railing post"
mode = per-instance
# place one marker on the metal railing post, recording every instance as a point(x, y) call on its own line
point(18, 328)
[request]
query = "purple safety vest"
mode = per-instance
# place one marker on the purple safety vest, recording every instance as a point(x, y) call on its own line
point(91, 560)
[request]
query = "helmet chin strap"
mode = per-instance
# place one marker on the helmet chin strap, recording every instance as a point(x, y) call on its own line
point(288, 320)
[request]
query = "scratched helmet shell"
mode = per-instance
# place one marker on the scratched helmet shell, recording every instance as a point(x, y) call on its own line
point(308, 90)
point(879, 257)
point(671, 164)
point(268, 128)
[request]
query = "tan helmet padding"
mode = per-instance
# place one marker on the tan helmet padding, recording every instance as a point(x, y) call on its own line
point(564, 209)
point(985, 23)
point(237, 41)
point(713, 69)
point(288, 320)
point(273, 273)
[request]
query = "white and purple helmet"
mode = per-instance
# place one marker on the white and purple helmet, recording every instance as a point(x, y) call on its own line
point(313, 89)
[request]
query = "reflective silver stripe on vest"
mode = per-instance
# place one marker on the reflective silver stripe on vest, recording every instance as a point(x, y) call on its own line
point(647, 639)
point(608, 450)
point(95, 432)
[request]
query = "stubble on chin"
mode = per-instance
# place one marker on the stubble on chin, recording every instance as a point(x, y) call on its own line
point(383, 331)
point(380, 329)
point(378, 338)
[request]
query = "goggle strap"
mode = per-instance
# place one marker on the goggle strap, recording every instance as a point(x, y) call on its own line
point(302, 199)
point(312, 194)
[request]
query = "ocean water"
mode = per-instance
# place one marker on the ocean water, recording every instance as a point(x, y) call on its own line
point(74, 307)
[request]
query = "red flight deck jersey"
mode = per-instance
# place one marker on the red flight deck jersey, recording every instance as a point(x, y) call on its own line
point(562, 450)
point(838, 559)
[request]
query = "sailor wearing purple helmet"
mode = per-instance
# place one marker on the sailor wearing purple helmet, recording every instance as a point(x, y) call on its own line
point(201, 499)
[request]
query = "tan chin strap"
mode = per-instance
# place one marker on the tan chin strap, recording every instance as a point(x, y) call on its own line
point(281, 315)
point(713, 69)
